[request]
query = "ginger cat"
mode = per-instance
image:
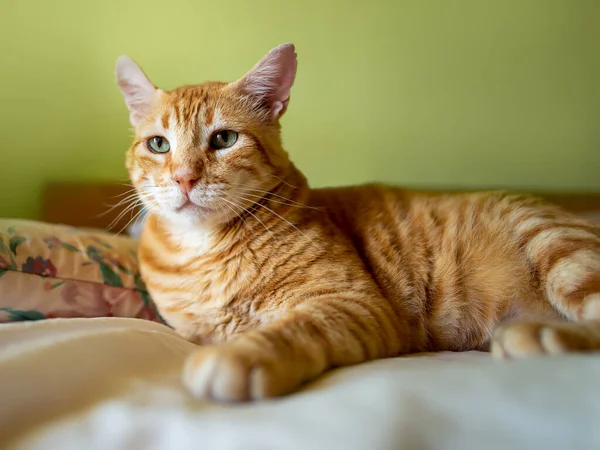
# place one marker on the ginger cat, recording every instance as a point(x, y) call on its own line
point(278, 282)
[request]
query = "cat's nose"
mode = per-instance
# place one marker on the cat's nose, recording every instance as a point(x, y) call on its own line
point(185, 179)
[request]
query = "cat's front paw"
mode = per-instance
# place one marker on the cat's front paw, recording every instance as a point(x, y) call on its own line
point(235, 372)
point(524, 339)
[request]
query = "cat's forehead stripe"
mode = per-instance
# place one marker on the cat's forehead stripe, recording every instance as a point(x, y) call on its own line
point(195, 131)
point(209, 115)
point(193, 104)
point(189, 105)
point(177, 112)
point(165, 119)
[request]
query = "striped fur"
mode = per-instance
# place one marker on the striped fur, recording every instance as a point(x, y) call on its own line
point(279, 282)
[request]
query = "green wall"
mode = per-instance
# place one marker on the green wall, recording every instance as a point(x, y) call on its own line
point(424, 92)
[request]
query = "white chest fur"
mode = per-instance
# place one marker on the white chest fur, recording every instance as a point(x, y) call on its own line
point(201, 289)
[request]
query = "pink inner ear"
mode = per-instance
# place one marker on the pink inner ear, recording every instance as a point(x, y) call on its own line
point(136, 88)
point(272, 78)
point(287, 73)
point(138, 101)
point(278, 108)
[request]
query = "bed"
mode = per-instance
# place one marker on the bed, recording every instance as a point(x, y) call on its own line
point(113, 383)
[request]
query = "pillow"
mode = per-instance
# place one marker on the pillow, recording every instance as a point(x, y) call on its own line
point(49, 271)
point(592, 216)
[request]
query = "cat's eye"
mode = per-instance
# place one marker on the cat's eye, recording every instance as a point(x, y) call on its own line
point(158, 144)
point(223, 139)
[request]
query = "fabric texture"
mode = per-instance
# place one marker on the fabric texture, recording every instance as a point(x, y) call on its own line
point(49, 271)
point(111, 383)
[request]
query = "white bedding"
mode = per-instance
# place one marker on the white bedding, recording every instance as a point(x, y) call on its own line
point(112, 384)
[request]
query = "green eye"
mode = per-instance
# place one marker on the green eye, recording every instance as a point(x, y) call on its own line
point(158, 144)
point(223, 139)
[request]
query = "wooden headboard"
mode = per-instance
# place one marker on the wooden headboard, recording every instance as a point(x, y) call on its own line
point(100, 205)
point(89, 204)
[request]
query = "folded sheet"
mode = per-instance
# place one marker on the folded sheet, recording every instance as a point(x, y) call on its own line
point(113, 384)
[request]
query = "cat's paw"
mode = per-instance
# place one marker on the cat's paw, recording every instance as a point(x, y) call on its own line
point(524, 339)
point(233, 373)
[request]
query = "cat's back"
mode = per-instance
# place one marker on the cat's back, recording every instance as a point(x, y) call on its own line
point(396, 225)
point(361, 209)
point(431, 252)
point(391, 227)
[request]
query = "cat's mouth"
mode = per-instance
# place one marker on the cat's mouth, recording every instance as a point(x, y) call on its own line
point(191, 206)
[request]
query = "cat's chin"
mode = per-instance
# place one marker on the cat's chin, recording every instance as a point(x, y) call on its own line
point(192, 208)
point(193, 214)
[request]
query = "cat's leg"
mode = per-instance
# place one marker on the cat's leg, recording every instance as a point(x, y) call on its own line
point(279, 357)
point(565, 258)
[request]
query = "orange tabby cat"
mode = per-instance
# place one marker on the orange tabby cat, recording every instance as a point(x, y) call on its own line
point(279, 282)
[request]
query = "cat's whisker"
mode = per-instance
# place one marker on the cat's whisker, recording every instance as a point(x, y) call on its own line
point(128, 191)
point(130, 221)
point(223, 210)
point(279, 202)
point(130, 194)
point(241, 217)
point(292, 202)
point(138, 187)
point(124, 201)
point(117, 219)
point(284, 219)
point(282, 180)
point(130, 208)
point(262, 191)
point(252, 214)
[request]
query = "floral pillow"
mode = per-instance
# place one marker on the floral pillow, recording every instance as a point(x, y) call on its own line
point(49, 271)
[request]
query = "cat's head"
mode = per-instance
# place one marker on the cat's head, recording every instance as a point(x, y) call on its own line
point(205, 152)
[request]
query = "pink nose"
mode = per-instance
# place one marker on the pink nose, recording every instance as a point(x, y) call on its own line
point(186, 180)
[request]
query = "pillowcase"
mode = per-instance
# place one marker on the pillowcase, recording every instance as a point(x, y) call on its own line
point(49, 271)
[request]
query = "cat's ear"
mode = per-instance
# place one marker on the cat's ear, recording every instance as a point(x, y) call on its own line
point(271, 80)
point(138, 91)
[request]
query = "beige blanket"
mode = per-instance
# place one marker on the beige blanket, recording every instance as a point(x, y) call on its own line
point(113, 384)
